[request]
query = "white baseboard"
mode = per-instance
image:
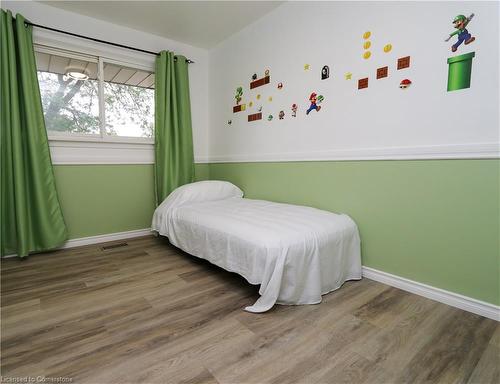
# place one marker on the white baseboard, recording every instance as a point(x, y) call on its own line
point(469, 304)
point(101, 239)
point(105, 238)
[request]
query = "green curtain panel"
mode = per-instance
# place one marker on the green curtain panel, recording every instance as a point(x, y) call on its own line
point(31, 217)
point(174, 160)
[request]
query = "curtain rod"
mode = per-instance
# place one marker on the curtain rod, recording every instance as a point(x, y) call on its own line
point(189, 61)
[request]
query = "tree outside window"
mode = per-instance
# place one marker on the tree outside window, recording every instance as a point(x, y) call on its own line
point(72, 106)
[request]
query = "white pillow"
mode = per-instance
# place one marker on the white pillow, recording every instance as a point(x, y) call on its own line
point(199, 192)
point(192, 193)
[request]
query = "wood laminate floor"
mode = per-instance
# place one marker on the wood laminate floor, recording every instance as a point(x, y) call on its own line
point(148, 313)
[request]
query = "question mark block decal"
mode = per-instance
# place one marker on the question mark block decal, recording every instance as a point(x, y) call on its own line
point(239, 108)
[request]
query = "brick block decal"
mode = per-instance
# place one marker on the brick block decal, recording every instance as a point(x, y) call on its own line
point(404, 62)
point(260, 82)
point(363, 83)
point(255, 116)
point(382, 72)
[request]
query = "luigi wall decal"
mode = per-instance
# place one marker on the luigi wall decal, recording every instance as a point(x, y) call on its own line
point(460, 22)
point(460, 67)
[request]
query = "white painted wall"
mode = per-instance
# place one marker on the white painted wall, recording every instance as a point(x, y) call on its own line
point(383, 121)
point(56, 18)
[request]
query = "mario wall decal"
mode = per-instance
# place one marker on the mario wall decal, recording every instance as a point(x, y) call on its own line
point(460, 22)
point(294, 110)
point(315, 100)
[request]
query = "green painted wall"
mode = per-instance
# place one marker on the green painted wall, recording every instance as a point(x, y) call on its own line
point(435, 222)
point(202, 172)
point(102, 199)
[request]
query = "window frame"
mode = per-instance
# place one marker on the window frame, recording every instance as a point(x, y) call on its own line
point(99, 59)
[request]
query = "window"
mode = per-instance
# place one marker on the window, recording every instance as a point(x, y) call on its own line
point(112, 100)
point(128, 101)
point(69, 105)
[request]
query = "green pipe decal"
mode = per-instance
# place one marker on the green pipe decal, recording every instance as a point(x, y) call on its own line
point(459, 71)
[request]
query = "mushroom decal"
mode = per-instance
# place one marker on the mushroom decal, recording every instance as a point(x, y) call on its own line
point(405, 83)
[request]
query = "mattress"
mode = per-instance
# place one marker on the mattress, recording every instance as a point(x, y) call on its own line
point(295, 253)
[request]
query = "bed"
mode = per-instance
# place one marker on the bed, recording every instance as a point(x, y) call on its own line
point(295, 253)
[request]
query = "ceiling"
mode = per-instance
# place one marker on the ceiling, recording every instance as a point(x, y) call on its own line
point(202, 24)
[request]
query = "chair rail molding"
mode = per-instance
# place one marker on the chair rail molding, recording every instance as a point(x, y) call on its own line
point(425, 152)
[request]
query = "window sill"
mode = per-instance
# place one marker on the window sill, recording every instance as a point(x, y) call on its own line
point(97, 150)
point(99, 139)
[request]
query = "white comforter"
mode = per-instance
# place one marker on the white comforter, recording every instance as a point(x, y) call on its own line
point(295, 253)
